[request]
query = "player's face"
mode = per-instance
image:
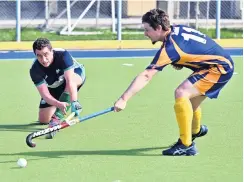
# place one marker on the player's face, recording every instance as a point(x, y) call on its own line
point(154, 35)
point(45, 56)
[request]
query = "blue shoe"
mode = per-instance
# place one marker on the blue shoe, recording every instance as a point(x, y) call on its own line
point(203, 131)
point(179, 149)
point(54, 121)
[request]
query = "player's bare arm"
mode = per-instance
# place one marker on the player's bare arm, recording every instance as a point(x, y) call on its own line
point(136, 85)
point(45, 94)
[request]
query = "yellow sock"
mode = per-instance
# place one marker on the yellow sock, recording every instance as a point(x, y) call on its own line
point(184, 115)
point(196, 121)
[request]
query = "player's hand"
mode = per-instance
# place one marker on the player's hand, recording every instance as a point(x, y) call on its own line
point(119, 105)
point(177, 67)
point(63, 107)
point(76, 108)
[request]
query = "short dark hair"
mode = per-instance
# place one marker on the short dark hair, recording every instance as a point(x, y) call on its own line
point(156, 17)
point(40, 43)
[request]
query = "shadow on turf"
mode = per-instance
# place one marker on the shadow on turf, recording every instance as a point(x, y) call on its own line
point(61, 154)
point(15, 161)
point(21, 127)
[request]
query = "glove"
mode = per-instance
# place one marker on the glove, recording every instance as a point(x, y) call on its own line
point(76, 108)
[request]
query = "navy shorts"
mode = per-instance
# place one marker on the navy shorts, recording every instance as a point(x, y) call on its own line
point(56, 92)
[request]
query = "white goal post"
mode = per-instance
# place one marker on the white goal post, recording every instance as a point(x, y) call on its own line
point(69, 28)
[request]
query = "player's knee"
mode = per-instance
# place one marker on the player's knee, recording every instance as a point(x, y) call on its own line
point(44, 119)
point(45, 114)
point(77, 80)
point(180, 92)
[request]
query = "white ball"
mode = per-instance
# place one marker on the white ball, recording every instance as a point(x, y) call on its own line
point(22, 162)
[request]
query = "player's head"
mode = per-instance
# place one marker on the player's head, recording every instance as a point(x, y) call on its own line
point(43, 51)
point(156, 24)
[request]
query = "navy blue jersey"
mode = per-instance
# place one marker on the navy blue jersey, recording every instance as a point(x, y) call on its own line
point(53, 75)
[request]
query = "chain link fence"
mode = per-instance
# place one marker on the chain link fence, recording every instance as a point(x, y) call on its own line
point(99, 16)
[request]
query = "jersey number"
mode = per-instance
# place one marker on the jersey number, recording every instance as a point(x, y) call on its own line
point(188, 35)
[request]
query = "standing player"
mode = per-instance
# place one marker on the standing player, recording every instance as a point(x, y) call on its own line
point(57, 77)
point(183, 47)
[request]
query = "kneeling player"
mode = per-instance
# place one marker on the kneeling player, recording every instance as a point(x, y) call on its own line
point(58, 77)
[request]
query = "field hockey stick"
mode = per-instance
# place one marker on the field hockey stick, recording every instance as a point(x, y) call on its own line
point(45, 131)
point(67, 122)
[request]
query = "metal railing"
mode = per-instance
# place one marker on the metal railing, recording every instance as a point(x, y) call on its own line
point(69, 17)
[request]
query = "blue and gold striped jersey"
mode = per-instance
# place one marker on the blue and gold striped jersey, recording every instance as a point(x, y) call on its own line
point(192, 49)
